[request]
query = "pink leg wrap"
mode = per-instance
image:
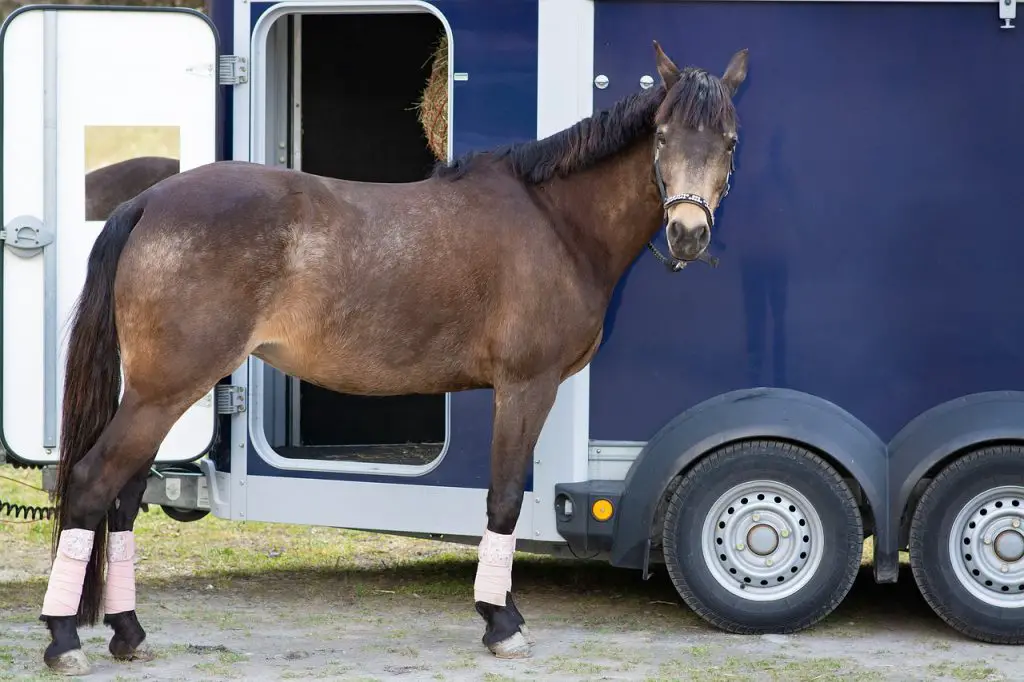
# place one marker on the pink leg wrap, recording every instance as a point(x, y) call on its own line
point(119, 592)
point(494, 568)
point(64, 591)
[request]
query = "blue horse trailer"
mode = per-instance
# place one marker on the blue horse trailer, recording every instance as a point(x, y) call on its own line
point(848, 370)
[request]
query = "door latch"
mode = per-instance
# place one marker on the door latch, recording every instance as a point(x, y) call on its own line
point(25, 236)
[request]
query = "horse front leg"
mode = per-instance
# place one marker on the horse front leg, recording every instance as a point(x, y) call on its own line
point(128, 642)
point(519, 413)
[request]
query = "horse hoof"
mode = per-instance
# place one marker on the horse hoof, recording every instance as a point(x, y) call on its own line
point(515, 646)
point(142, 653)
point(73, 662)
point(527, 634)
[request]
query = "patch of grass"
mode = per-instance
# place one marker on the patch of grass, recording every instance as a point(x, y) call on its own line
point(774, 668)
point(572, 665)
point(229, 657)
point(461, 660)
point(964, 671)
point(214, 554)
point(218, 669)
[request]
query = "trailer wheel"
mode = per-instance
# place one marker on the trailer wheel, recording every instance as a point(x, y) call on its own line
point(762, 536)
point(967, 545)
point(185, 515)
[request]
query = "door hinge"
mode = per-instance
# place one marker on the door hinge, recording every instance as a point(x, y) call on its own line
point(230, 399)
point(233, 70)
point(1007, 12)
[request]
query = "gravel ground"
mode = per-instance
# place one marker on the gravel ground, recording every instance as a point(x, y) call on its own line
point(254, 601)
point(316, 626)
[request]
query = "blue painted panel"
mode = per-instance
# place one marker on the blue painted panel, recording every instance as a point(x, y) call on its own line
point(222, 13)
point(872, 231)
point(495, 41)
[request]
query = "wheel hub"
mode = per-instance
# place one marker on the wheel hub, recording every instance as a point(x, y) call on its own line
point(986, 546)
point(762, 540)
point(1009, 545)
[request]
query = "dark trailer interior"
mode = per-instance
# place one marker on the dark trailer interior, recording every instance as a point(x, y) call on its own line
point(354, 118)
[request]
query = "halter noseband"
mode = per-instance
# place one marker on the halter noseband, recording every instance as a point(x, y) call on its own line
point(675, 264)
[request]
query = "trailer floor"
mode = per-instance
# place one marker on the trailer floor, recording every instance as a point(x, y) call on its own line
point(257, 601)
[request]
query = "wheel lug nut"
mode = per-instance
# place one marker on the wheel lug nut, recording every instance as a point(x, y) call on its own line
point(1004, 568)
point(784, 533)
point(988, 541)
point(1016, 523)
point(768, 562)
point(739, 546)
point(757, 517)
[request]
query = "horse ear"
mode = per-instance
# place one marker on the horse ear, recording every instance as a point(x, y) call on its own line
point(668, 71)
point(736, 72)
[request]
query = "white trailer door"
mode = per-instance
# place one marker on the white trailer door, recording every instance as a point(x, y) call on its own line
point(85, 88)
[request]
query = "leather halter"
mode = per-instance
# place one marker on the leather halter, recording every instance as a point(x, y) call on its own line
point(675, 264)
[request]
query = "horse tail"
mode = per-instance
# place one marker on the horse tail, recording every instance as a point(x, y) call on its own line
point(92, 385)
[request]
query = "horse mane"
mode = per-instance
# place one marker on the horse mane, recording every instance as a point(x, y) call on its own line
point(698, 98)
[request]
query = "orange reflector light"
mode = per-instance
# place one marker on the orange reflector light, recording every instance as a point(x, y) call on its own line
point(602, 510)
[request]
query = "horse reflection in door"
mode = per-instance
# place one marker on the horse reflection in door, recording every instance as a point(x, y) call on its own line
point(495, 272)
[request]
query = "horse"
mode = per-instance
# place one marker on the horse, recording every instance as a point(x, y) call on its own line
point(109, 186)
point(494, 272)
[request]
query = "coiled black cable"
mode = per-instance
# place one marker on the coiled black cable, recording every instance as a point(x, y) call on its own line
point(26, 511)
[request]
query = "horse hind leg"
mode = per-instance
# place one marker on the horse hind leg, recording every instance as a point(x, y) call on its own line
point(519, 414)
point(128, 642)
point(113, 466)
point(129, 639)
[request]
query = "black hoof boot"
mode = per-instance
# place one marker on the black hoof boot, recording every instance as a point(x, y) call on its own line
point(504, 635)
point(129, 640)
point(64, 655)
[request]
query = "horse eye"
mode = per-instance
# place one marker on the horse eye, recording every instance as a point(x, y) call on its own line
point(660, 138)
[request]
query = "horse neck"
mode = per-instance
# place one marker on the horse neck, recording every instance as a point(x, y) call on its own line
point(609, 211)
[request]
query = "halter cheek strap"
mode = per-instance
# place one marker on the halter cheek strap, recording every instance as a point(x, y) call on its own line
point(675, 264)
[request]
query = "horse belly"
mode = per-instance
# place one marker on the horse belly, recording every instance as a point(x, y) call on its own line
point(356, 362)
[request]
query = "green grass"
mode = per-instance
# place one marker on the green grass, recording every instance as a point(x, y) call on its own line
point(302, 562)
point(977, 670)
point(293, 562)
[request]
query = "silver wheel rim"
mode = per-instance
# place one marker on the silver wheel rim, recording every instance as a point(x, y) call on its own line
point(762, 540)
point(986, 546)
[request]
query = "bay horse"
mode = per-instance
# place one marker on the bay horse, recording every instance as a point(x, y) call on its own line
point(494, 272)
point(109, 186)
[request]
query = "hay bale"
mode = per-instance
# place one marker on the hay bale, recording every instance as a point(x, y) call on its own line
point(433, 104)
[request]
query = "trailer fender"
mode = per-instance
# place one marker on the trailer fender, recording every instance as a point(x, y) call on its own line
point(942, 433)
point(747, 414)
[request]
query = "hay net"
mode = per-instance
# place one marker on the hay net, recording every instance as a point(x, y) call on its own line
point(432, 106)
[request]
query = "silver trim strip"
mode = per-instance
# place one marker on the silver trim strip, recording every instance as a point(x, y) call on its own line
point(50, 221)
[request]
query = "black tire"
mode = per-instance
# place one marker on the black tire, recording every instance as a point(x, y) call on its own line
point(185, 515)
point(930, 533)
point(841, 528)
point(178, 513)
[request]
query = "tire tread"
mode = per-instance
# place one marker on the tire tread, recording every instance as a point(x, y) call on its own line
point(918, 538)
point(805, 457)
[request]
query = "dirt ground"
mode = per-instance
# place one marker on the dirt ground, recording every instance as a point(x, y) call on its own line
point(225, 600)
point(315, 626)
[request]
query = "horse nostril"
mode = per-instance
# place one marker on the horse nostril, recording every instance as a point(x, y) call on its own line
point(675, 230)
point(703, 235)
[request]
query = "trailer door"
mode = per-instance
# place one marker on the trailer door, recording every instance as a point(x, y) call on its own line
point(85, 89)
